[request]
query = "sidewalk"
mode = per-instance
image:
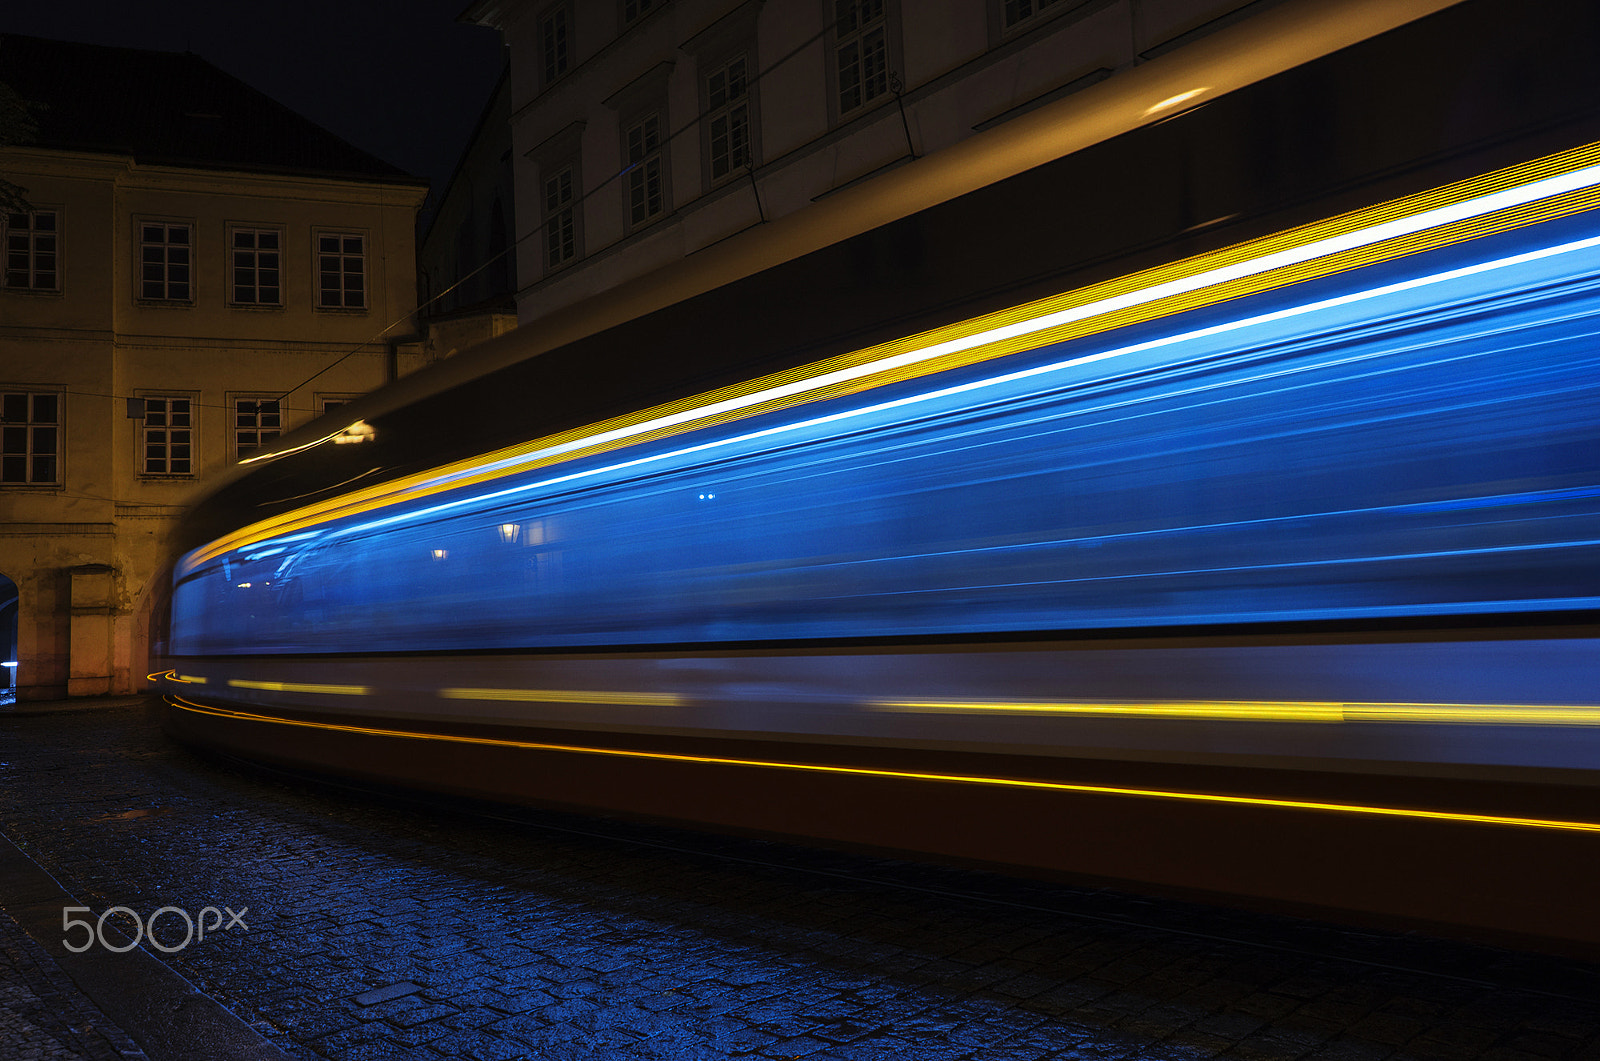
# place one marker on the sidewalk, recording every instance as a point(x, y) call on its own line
point(44, 1015)
point(96, 1005)
point(11, 708)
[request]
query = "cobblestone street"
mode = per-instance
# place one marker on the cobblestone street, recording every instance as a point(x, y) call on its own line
point(376, 928)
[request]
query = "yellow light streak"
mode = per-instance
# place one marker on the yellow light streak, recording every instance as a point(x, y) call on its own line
point(301, 687)
point(1133, 299)
point(911, 775)
point(564, 696)
point(1221, 709)
point(1476, 714)
point(172, 675)
point(1271, 711)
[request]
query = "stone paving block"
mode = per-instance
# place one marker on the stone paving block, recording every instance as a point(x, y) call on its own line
point(1229, 1025)
point(876, 1050)
point(1383, 1028)
point(337, 1043)
point(793, 1047)
point(1351, 1050)
point(416, 1015)
point(419, 1035)
point(1264, 1048)
point(1433, 1050)
point(471, 1020)
point(1542, 1044)
point(376, 1051)
point(485, 1048)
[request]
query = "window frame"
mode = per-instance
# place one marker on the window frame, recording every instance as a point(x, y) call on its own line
point(712, 112)
point(893, 60)
point(236, 400)
point(327, 402)
point(731, 38)
point(653, 159)
point(644, 99)
point(567, 209)
point(142, 244)
point(232, 267)
point(562, 9)
point(632, 12)
point(145, 429)
point(29, 427)
point(1043, 11)
point(317, 256)
point(562, 151)
point(32, 235)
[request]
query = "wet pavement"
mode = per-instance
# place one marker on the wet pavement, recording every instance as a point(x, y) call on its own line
point(371, 927)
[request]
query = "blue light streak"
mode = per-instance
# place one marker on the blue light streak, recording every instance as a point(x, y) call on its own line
point(842, 416)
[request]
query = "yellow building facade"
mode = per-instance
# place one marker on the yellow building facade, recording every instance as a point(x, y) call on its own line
point(160, 319)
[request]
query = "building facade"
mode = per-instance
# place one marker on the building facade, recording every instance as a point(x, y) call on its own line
point(646, 131)
point(467, 263)
point(198, 270)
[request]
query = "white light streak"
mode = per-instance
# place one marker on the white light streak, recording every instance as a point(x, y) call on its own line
point(1363, 237)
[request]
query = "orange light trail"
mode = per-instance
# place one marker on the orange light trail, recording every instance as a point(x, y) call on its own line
point(862, 771)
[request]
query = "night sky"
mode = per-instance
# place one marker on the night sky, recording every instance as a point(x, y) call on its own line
point(401, 79)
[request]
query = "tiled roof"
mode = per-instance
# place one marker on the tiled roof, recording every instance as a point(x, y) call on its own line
point(171, 108)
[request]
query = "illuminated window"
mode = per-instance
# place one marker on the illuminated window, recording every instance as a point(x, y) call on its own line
point(861, 51)
point(30, 437)
point(341, 270)
point(256, 422)
point(256, 265)
point(168, 436)
point(165, 261)
point(647, 197)
point(555, 42)
point(560, 218)
point(728, 118)
point(33, 251)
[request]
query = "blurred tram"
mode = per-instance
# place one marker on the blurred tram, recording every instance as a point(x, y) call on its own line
point(1215, 508)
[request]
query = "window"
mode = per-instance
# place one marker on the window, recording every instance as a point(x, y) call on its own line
point(164, 261)
point(642, 151)
point(256, 267)
point(1014, 13)
point(728, 119)
point(560, 204)
point(555, 39)
point(560, 219)
point(861, 51)
point(30, 437)
point(633, 10)
point(642, 124)
point(168, 436)
point(341, 270)
point(256, 422)
point(333, 404)
point(33, 251)
point(724, 54)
